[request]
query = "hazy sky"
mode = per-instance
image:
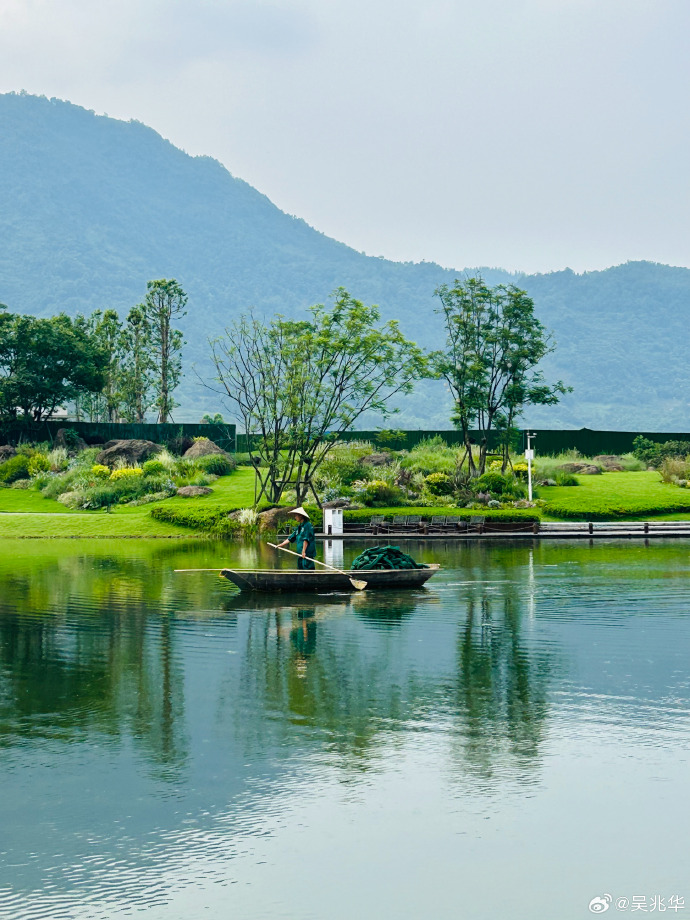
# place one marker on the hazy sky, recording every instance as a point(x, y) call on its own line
point(526, 134)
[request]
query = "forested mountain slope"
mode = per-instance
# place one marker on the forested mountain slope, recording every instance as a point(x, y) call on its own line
point(91, 208)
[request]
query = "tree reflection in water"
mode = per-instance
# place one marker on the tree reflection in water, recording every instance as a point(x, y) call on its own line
point(88, 648)
point(500, 695)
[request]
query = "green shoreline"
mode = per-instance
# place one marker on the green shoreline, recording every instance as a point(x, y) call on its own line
point(26, 514)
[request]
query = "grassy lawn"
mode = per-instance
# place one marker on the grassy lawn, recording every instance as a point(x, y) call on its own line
point(32, 515)
point(617, 495)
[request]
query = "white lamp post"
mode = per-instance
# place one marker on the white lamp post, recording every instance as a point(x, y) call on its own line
point(529, 457)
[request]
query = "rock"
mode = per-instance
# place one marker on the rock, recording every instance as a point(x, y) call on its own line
point(70, 440)
point(202, 448)
point(193, 491)
point(611, 463)
point(273, 519)
point(377, 459)
point(338, 503)
point(547, 482)
point(586, 469)
point(6, 451)
point(133, 452)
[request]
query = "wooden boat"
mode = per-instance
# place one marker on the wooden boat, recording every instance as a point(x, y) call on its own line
point(292, 580)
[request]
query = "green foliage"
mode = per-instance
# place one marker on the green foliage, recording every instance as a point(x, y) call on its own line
point(299, 384)
point(45, 363)
point(218, 464)
point(165, 303)
point(153, 467)
point(490, 482)
point(127, 474)
point(15, 468)
point(562, 478)
point(99, 471)
point(39, 463)
point(379, 492)
point(431, 455)
point(211, 520)
point(494, 343)
point(439, 483)
point(498, 514)
point(653, 454)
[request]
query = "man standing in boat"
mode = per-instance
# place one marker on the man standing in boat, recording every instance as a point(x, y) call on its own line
point(303, 536)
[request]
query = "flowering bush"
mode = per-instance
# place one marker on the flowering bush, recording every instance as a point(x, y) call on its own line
point(127, 472)
point(439, 483)
point(39, 463)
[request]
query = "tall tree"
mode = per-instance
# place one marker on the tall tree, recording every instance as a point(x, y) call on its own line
point(137, 366)
point(299, 384)
point(165, 302)
point(494, 343)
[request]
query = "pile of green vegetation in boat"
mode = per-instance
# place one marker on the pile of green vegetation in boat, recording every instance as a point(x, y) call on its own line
point(385, 557)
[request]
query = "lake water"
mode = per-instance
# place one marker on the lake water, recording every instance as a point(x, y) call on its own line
point(510, 742)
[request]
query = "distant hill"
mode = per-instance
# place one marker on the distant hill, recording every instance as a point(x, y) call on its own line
point(92, 208)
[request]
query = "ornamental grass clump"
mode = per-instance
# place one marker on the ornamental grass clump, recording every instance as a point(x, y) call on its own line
point(217, 464)
point(58, 459)
point(431, 455)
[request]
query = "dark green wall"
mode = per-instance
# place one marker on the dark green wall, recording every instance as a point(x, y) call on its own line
point(100, 432)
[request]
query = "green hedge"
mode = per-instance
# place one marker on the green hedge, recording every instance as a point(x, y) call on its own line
point(589, 509)
point(491, 514)
point(210, 520)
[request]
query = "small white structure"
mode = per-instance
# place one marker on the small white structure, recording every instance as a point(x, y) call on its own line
point(333, 521)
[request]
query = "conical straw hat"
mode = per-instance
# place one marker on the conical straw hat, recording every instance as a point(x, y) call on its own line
point(301, 511)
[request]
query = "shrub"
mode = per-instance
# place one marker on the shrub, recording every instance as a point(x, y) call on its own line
point(209, 520)
point(653, 454)
point(15, 468)
point(439, 484)
point(490, 482)
point(101, 496)
point(379, 492)
point(562, 478)
point(218, 464)
point(673, 468)
point(39, 463)
point(154, 467)
point(126, 473)
point(98, 471)
point(58, 459)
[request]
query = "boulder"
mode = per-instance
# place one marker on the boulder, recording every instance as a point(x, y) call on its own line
point(193, 491)
point(273, 519)
point(70, 440)
point(377, 459)
point(133, 452)
point(338, 503)
point(610, 462)
point(6, 451)
point(202, 448)
point(586, 469)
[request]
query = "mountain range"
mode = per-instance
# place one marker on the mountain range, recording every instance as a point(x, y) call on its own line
point(92, 208)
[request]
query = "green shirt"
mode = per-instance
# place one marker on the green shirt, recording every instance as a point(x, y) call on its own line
point(304, 531)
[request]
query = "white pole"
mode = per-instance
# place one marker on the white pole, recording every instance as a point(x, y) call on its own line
point(529, 454)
